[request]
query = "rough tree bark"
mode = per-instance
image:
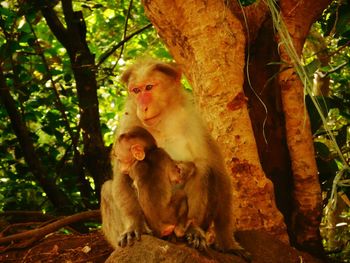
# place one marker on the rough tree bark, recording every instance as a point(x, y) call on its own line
point(73, 38)
point(299, 16)
point(209, 40)
point(209, 43)
point(266, 113)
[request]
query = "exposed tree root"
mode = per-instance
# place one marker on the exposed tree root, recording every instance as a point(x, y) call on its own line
point(27, 238)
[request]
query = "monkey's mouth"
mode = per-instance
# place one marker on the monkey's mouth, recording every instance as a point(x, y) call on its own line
point(152, 120)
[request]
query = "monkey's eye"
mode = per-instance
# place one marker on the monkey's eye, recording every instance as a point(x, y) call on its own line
point(135, 90)
point(149, 87)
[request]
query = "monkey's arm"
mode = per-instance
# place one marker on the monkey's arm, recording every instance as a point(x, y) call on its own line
point(130, 210)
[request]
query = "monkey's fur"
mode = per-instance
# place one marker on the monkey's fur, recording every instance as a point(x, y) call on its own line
point(170, 116)
point(159, 183)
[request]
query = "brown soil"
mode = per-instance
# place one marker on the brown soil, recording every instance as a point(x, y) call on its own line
point(62, 248)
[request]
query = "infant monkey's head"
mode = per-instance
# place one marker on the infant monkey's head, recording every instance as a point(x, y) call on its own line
point(133, 146)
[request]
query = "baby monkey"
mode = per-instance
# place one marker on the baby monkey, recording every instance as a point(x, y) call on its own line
point(158, 179)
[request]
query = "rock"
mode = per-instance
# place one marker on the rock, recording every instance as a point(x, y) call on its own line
point(151, 249)
point(263, 247)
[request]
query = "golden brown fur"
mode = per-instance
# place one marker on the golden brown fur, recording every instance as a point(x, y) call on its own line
point(159, 182)
point(170, 116)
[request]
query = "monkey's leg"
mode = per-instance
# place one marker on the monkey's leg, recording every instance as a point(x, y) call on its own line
point(197, 199)
point(111, 224)
point(130, 213)
point(225, 241)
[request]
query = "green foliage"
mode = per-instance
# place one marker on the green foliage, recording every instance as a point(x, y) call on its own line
point(39, 75)
point(333, 152)
point(247, 2)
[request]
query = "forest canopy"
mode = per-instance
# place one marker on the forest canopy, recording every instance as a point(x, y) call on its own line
point(56, 133)
point(39, 75)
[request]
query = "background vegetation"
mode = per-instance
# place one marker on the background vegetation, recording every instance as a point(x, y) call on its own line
point(39, 75)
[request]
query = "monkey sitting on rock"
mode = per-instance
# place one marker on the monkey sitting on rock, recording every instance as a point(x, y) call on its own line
point(157, 102)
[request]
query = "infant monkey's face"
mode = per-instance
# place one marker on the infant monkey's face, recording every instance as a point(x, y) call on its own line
point(125, 157)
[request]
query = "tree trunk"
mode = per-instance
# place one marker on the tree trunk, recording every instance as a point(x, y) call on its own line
point(73, 38)
point(57, 197)
point(298, 17)
point(266, 113)
point(209, 43)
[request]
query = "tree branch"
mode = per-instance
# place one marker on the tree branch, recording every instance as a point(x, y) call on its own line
point(125, 31)
point(326, 74)
point(55, 24)
point(68, 13)
point(108, 53)
point(83, 184)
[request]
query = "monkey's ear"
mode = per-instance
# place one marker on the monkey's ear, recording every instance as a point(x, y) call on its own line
point(126, 75)
point(138, 151)
point(170, 69)
point(177, 68)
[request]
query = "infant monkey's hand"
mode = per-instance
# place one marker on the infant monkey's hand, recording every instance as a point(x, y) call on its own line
point(185, 170)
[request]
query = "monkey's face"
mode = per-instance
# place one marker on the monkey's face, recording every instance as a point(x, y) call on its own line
point(124, 157)
point(153, 93)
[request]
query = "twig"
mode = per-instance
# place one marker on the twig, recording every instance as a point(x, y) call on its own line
point(339, 49)
point(125, 30)
point(104, 56)
point(324, 75)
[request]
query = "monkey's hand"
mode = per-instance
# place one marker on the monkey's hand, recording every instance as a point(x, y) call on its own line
point(196, 238)
point(127, 239)
point(133, 232)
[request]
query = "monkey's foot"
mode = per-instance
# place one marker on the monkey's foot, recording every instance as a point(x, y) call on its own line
point(195, 238)
point(128, 238)
point(241, 253)
point(238, 251)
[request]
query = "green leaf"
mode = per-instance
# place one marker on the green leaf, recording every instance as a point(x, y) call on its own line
point(30, 116)
point(55, 72)
point(341, 138)
point(343, 24)
point(247, 2)
point(41, 68)
point(31, 41)
point(315, 118)
point(6, 12)
point(67, 77)
point(48, 129)
point(327, 171)
point(322, 150)
point(312, 67)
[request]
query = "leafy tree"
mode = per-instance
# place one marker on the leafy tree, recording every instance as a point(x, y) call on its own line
point(58, 59)
point(61, 98)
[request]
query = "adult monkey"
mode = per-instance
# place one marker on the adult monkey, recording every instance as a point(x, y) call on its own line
point(158, 102)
